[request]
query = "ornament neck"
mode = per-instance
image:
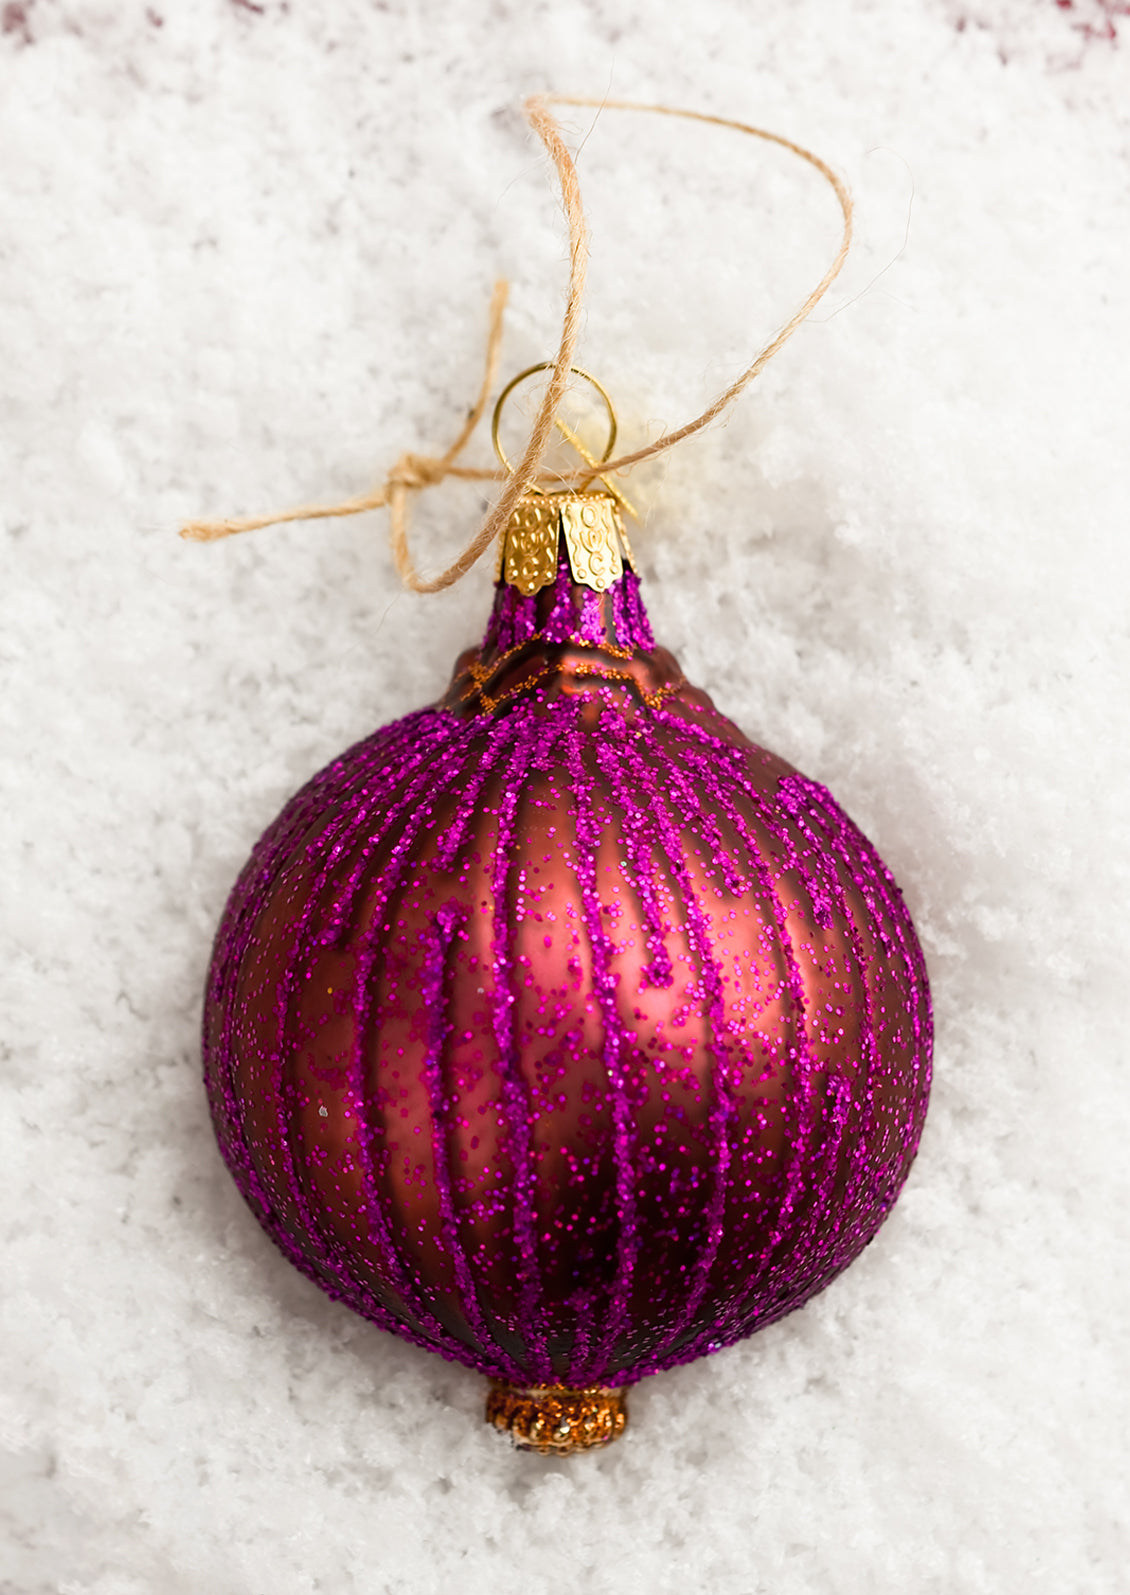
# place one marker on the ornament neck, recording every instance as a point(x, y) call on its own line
point(565, 576)
point(568, 612)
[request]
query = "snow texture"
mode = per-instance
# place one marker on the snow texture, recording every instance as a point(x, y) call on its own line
point(246, 256)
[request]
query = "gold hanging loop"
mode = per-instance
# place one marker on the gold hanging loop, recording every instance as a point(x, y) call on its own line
point(567, 433)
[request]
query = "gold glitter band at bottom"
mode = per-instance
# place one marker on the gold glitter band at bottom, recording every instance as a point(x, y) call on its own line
point(557, 1419)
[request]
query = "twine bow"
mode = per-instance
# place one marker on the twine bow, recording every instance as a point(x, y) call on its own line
point(410, 474)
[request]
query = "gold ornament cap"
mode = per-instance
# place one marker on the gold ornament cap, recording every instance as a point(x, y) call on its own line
point(596, 544)
point(558, 1419)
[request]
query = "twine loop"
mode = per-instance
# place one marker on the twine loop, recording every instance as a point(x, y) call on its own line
point(412, 472)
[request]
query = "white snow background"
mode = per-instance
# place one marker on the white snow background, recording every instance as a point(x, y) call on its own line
point(245, 257)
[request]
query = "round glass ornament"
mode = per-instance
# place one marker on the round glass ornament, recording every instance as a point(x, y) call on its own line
point(558, 1027)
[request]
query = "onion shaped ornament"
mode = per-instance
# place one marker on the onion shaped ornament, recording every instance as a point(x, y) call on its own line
point(558, 1027)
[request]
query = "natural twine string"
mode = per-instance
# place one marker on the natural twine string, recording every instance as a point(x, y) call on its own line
point(413, 472)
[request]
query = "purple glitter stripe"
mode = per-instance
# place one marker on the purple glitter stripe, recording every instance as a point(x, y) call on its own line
point(528, 732)
point(501, 736)
point(337, 836)
point(446, 927)
point(238, 926)
point(698, 818)
point(639, 855)
point(818, 891)
point(504, 734)
point(921, 1022)
point(428, 779)
point(442, 741)
point(798, 796)
point(561, 622)
point(627, 1245)
point(380, 1229)
point(854, 845)
point(817, 1275)
point(232, 940)
point(722, 1107)
point(800, 1055)
point(733, 767)
point(619, 599)
point(329, 843)
point(592, 618)
point(513, 620)
point(636, 614)
point(824, 892)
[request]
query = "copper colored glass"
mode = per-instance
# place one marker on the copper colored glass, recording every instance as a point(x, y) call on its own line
point(559, 1027)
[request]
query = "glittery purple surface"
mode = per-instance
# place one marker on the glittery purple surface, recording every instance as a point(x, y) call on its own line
point(558, 1027)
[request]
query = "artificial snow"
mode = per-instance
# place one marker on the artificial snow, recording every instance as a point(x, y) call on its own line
point(247, 252)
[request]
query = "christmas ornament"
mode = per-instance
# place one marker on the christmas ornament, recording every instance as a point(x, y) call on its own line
point(559, 1028)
